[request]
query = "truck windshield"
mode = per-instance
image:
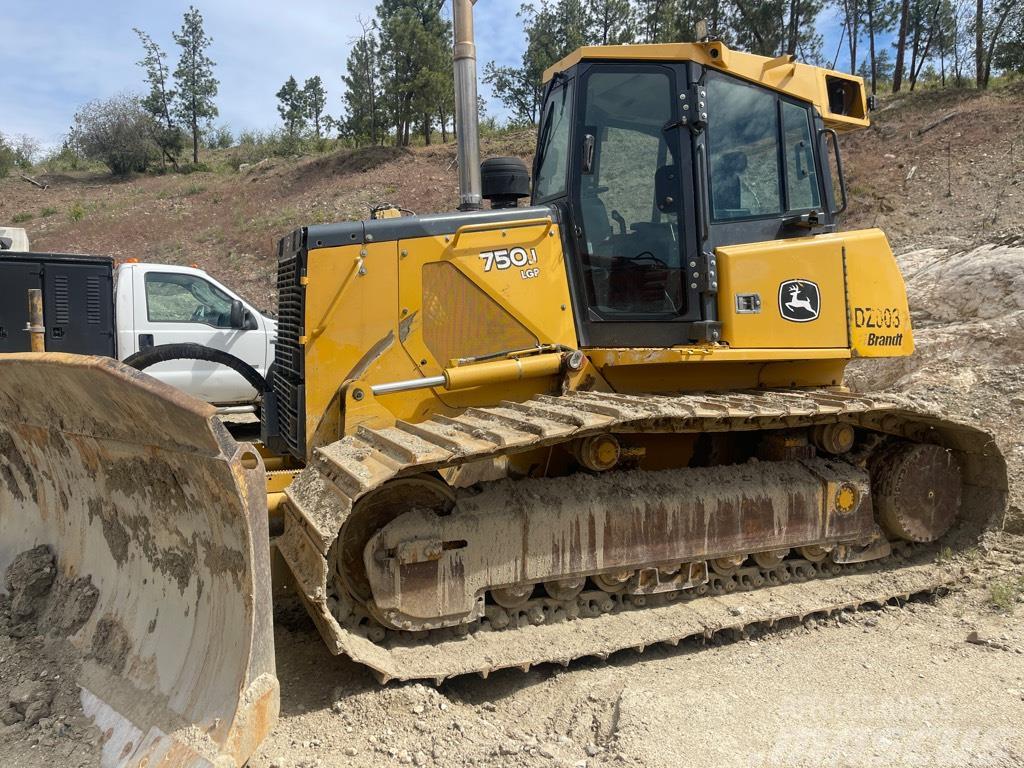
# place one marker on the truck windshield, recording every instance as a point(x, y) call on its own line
point(630, 196)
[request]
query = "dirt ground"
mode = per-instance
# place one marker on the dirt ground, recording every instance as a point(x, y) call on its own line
point(893, 687)
point(41, 719)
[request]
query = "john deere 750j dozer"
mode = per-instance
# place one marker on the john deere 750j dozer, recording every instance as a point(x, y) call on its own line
point(611, 419)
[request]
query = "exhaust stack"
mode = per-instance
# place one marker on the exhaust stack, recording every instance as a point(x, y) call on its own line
point(467, 125)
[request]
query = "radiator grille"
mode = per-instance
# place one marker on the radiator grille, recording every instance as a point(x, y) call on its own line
point(289, 373)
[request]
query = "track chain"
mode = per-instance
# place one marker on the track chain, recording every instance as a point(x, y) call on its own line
point(323, 496)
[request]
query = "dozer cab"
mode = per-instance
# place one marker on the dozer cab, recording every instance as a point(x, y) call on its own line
point(612, 418)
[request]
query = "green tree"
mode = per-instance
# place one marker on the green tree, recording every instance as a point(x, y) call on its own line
point(687, 13)
point(8, 157)
point(948, 34)
point(553, 30)
point(655, 20)
point(314, 102)
point(778, 27)
point(196, 85)
point(851, 14)
point(158, 102)
point(992, 25)
point(1009, 52)
point(414, 48)
point(610, 22)
point(924, 23)
point(879, 18)
point(291, 107)
point(117, 132)
point(361, 121)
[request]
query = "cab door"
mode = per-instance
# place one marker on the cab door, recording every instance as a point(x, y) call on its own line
point(632, 204)
point(179, 305)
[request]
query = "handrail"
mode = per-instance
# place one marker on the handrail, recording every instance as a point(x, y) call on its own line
point(468, 229)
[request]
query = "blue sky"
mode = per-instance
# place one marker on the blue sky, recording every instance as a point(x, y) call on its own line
point(59, 54)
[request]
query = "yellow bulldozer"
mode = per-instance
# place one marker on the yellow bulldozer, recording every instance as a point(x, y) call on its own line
point(522, 434)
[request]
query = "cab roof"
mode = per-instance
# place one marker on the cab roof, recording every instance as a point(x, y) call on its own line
point(840, 98)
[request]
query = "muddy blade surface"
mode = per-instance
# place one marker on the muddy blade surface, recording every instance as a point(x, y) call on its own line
point(323, 497)
point(139, 488)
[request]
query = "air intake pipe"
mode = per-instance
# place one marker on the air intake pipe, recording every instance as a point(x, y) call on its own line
point(467, 124)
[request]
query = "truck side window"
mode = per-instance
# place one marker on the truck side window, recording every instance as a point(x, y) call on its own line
point(743, 134)
point(801, 175)
point(177, 298)
point(554, 146)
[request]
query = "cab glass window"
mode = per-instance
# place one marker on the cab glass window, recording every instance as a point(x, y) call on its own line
point(743, 139)
point(630, 196)
point(553, 155)
point(178, 298)
point(801, 176)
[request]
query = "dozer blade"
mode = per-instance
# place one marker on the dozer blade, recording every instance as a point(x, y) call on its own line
point(139, 488)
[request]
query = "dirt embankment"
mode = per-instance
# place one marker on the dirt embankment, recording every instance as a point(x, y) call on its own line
point(940, 169)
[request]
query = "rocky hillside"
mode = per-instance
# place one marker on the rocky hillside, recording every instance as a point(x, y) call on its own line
point(940, 169)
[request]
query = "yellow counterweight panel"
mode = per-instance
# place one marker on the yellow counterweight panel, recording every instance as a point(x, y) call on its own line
point(786, 294)
point(879, 316)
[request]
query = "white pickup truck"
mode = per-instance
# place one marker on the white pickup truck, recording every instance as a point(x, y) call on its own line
point(147, 314)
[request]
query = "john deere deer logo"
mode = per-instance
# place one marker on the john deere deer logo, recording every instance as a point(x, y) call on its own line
point(799, 301)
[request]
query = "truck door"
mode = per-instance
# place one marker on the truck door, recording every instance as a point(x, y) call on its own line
point(178, 305)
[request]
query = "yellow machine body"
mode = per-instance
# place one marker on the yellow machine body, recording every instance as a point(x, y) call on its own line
point(521, 426)
point(425, 306)
point(415, 307)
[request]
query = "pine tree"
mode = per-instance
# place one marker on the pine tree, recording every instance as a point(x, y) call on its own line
point(314, 102)
point(291, 107)
point(553, 30)
point(157, 102)
point(991, 28)
point(685, 15)
point(610, 22)
point(196, 85)
point(414, 47)
point(362, 88)
point(778, 27)
point(655, 19)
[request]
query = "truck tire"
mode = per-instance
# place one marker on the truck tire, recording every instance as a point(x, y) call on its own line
point(164, 352)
